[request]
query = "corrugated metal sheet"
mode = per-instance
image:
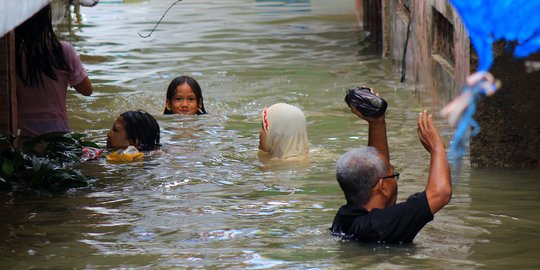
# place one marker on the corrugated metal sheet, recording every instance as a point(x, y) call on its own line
point(15, 12)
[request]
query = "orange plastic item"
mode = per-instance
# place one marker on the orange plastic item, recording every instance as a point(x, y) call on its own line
point(129, 155)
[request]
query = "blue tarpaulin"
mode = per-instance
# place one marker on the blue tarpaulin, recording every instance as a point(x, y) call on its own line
point(491, 20)
point(516, 21)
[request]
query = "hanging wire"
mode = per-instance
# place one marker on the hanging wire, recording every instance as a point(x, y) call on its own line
point(159, 20)
point(406, 5)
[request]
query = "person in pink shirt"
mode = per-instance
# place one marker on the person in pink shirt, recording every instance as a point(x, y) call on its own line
point(45, 69)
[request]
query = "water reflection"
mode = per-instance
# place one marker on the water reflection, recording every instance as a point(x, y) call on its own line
point(509, 217)
point(271, 7)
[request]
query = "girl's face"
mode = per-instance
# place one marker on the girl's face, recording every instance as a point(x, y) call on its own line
point(184, 101)
point(117, 137)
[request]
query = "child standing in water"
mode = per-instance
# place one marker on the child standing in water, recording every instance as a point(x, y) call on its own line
point(45, 68)
point(283, 133)
point(184, 96)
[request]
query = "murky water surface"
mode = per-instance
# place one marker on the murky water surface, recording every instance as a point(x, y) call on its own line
point(208, 202)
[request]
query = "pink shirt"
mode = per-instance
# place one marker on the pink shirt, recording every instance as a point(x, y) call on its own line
point(42, 108)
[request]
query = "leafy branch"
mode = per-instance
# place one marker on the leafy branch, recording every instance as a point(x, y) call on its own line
point(46, 162)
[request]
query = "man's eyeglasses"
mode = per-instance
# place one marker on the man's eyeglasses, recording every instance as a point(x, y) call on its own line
point(395, 176)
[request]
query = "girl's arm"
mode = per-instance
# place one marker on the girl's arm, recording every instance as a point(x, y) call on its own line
point(84, 87)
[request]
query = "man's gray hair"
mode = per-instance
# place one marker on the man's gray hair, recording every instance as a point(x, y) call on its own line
point(357, 171)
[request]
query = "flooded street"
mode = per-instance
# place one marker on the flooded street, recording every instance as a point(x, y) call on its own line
point(208, 201)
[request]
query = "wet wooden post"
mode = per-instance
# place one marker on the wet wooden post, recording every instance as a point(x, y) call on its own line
point(372, 22)
point(8, 94)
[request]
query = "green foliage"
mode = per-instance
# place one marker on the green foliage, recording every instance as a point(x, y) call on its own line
point(46, 162)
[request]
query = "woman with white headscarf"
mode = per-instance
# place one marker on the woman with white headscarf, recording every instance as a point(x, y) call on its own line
point(283, 133)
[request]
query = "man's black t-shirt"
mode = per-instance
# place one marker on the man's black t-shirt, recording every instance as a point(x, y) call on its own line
point(394, 224)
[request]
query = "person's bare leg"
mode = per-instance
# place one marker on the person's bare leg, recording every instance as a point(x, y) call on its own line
point(359, 10)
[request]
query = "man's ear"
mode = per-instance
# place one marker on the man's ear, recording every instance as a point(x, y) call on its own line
point(386, 188)
point(378, 190)
point(379, 186)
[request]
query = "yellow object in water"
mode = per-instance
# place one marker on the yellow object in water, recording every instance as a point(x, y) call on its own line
point(129, 155)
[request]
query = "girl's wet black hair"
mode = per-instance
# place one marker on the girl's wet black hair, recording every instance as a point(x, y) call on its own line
point(142, 129)
point(171, 91)
point(39, 48)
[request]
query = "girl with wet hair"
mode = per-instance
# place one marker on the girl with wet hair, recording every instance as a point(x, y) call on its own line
point(134, 128)
point(45, 68)
point(184, 96)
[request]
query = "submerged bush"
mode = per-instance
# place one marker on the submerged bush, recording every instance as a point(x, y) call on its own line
point(46, 162)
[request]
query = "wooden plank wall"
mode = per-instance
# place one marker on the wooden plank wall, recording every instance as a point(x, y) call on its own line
point(8, 100)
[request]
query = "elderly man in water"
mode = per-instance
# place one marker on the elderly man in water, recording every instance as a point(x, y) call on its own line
point(370, 186)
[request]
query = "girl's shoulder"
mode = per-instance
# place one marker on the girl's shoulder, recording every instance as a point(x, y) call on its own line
point(68, 49)
point(66, 44)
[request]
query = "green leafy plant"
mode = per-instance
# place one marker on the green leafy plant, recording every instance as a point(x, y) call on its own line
point(46, 162)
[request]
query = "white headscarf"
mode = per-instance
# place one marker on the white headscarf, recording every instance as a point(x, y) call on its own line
point(286, 131)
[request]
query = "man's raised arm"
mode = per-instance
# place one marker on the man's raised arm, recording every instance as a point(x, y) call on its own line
point(439, 184)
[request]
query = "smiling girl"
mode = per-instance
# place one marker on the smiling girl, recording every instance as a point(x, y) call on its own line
point(184, 96)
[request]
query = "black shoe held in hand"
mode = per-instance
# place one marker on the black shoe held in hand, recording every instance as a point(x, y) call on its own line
point(369, 104)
